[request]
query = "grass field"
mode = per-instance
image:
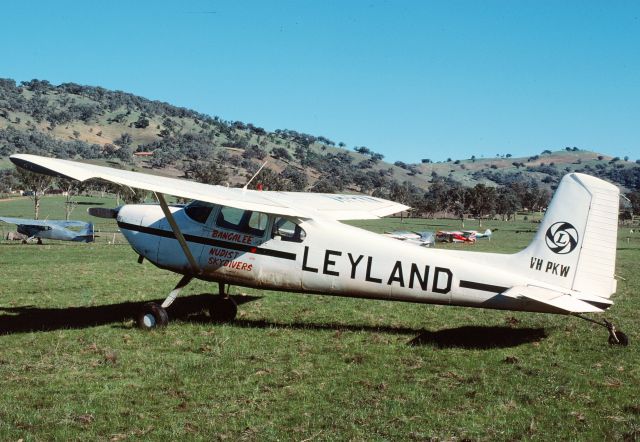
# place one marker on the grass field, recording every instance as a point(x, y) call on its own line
point(296, 367)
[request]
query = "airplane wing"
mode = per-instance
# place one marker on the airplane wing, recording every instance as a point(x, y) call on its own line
point(402, 235)
point(562, 301)
point(67, 224)
point(296, 204)
point(43, 223)
point(25, 222)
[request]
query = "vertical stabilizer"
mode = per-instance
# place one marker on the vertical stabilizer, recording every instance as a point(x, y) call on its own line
point(575, 246)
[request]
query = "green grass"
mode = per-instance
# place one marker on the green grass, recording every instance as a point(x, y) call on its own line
point(297, 367)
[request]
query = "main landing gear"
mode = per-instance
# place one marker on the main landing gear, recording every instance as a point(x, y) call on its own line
point(222, 308)
point(616, 337)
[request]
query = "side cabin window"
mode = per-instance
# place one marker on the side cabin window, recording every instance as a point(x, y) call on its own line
point(199, 211)
point(287, 230)
point(244, 221)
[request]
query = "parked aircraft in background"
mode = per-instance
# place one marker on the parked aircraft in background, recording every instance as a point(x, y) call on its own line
point(424, 239)
point(38, 230)
point(294, 242)
point(468, 236)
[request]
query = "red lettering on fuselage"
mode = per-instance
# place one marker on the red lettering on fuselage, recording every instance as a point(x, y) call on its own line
point(223, 253)
point(237, 265)
point(232, 236)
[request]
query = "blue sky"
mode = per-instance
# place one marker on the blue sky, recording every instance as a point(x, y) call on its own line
point(411, 80)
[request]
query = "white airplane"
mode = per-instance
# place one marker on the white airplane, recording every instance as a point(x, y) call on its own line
point(294, 242)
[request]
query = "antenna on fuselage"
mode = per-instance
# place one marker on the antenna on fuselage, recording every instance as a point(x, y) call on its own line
point(254, 175)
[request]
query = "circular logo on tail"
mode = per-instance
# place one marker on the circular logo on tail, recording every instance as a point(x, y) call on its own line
point(561, 238)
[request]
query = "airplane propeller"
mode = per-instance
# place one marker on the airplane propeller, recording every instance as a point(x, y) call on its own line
point(103, 212)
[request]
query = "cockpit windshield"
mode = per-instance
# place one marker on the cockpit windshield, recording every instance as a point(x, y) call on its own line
point(199, 211)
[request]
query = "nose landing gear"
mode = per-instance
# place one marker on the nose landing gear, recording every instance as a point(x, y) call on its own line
point(222, 308)
point(152, 315)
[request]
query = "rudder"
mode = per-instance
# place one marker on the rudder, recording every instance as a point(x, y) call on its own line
point(575, 247)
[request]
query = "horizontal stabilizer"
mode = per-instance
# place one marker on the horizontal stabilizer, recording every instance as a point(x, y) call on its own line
point(562, 301)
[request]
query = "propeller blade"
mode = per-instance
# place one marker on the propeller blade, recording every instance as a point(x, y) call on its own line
point(103, 212)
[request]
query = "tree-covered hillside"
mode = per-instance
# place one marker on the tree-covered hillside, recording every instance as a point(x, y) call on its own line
point(92, 123)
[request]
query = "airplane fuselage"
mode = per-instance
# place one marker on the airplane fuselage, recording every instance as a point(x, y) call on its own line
point(331, 258)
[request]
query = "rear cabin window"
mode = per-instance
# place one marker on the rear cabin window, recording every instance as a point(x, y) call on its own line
point(245, 221)
point(199, 211)
point(287, 230)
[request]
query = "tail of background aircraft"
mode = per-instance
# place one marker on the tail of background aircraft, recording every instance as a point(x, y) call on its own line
point(575, 246)
point(87, 234)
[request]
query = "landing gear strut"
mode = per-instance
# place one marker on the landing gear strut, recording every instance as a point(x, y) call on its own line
point(223, 308)
point(616, 337)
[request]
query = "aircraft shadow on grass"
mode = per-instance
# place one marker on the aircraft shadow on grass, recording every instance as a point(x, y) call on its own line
point(191, 309)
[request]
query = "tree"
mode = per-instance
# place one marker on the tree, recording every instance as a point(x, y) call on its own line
point(459, 202)
point(254, 151)
point(70, 189)
point(207, 172)
point(142, 123)
point(36, 184)
point(9, 180)
point(634, 198)
point(507, 203)
point(281, 153)
point(124, 140)
point(325, 185)
point(483, 201)
point(124, 154)
point(297, 180)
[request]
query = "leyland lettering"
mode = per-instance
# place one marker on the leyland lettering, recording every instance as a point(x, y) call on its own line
point(402, 274)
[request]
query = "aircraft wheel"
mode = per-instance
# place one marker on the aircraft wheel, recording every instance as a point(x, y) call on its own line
point(623, 340)
point(223, 309)
point(152, 316)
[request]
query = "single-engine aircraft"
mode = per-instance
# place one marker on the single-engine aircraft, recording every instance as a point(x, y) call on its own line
point(464, 236)
point(52, 229)
point(424, 239)
point(294, 242)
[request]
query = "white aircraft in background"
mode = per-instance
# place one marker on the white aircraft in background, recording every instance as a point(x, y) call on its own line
point(424, 239)
point(61, 230)
point(294, 242)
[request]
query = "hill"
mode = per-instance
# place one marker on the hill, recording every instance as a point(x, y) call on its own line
point(93, 123)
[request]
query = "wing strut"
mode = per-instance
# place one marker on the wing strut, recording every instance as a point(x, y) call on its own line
point(177, 233)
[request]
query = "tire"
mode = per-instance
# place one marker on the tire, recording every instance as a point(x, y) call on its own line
point(152, 316)
point(623, 340)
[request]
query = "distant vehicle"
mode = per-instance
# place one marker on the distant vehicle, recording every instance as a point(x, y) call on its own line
point(293, 241)
point(465, 236)
point(35, 229)
point(424, 239)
